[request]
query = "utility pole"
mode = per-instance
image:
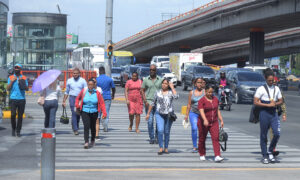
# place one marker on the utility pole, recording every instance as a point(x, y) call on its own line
point(108, 34)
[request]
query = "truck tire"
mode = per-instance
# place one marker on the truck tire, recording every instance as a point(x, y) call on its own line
point(184, 85)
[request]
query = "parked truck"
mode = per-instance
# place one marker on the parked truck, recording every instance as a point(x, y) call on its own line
point(179, 62)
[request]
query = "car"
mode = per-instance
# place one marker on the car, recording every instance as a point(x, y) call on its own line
point(228, 69)
point(143, 72)
point(193, 72)
point(166, 73)
point(159, 61)
point(115, 74)
point(256, 68)
point(143, 65)
point(127, 73)
point(244, 84)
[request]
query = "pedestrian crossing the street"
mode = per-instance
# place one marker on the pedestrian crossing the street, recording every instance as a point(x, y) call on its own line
point(118, 148)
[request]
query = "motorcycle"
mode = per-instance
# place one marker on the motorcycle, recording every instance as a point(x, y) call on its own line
point(225, 98)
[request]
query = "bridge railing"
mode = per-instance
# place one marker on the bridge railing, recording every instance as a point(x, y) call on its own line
point(170, 21)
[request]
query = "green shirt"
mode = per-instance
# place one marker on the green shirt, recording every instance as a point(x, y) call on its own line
point(151, 87)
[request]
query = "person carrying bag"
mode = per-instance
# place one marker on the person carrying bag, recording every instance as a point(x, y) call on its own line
point(64, 119)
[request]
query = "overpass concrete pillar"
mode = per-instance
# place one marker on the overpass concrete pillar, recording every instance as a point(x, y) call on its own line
point(257, 46)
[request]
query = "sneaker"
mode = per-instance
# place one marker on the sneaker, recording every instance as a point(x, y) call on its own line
point(271, 158)
point(151, 141)
point(194, 150)
point(76, 133)
point(86, 146)
point(92, 144)
point(13, 133)
point(18, 134)
point(265, 161)
point(202, 158)
point(218, 159)
point(275, 153)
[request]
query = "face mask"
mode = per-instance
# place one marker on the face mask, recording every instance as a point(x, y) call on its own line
point(17, 72)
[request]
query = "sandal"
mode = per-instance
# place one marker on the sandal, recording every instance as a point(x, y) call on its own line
point(137, 131)
point(130, 129)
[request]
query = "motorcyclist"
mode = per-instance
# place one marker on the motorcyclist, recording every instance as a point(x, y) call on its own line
point(223, 83)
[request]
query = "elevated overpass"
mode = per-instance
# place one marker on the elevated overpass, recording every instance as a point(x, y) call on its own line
point(276, 44)
point(217, 22)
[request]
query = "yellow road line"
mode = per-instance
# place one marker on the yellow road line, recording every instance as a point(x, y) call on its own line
point(178, 169)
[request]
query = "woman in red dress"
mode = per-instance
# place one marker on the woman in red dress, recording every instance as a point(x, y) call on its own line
point(210, 114)
point(134, 101)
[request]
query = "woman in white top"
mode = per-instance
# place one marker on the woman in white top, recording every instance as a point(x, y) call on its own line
point(268, 97)
point(51, 95)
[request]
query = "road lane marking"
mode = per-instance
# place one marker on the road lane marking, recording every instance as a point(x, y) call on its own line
point(177, 169)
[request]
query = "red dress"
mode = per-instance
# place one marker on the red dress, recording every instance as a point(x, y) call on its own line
point(134, 97)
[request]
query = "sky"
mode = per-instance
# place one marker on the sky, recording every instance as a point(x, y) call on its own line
point(87, 17)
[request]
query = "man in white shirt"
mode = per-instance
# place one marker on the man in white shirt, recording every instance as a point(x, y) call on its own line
point(268, 97)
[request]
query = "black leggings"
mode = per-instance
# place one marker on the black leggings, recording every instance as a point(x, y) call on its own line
point(89, 122)
point(17, 105)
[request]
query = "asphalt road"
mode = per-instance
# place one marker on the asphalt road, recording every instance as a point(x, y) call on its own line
point(123, 155)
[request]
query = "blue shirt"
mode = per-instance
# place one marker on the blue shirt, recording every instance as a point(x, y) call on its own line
point(90, 102)
point(75, 86)
point(15, 92)
point(106, 83)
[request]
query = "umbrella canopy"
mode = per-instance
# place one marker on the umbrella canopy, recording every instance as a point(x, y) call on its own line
point(45, 79)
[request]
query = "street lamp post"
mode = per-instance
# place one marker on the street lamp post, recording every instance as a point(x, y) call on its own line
point(108, 34)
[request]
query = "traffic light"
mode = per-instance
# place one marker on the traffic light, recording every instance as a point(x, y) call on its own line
point(109, 50)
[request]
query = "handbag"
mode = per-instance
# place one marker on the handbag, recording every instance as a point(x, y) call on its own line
point(172, 116)
point(223, 137)
point(41, 99)
point(254, 114)
point(64, 117)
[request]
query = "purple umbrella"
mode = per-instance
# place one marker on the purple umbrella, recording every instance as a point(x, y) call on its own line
point(45, 79)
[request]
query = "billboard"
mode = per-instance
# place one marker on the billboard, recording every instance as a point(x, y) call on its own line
point(72, 38)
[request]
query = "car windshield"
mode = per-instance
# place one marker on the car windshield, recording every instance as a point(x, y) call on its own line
point(260, 71)
point(133, 69)
point(204, 70)
point(145, 72)
point(162, 59)
point(116, 70)
point(250, 77)
point(164, 70)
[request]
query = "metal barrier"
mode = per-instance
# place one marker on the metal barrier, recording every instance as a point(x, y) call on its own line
point(65, 75)
point(48, 142)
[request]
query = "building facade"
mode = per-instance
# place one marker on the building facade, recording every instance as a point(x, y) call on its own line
point(39, 40)
point(3, 28)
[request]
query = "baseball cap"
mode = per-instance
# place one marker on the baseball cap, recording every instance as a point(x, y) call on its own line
point(18, 65)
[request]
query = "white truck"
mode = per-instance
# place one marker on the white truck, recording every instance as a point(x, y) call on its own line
point(179, 62)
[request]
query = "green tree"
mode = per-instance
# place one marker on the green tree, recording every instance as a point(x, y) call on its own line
point(84, 44)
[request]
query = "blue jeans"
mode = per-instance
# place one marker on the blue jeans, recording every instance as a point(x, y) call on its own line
point(150, 123)
point(194, 120)
point(163, 127)
point(75, 117)
point(50, 108)
point(107, 108)
point(268, 118)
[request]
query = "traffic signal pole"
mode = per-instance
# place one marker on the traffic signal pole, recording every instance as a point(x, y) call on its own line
point(108, 34)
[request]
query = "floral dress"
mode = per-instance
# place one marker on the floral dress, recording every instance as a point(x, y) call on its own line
point(134, 97)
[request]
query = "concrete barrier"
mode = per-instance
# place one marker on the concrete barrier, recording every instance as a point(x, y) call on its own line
point(7, 115)
point(183, 110)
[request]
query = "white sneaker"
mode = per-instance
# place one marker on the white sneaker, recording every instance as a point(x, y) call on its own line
point(271, 158)
point(202, 158)
point(218, 159)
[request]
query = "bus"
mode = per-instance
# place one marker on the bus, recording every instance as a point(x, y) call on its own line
point(88, 58)
point(122, 58)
